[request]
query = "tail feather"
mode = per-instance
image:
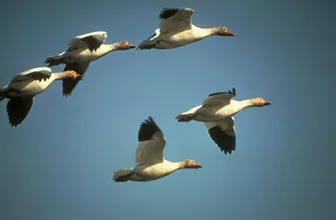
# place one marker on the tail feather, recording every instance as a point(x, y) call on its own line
point(2, 95)
point(147, 45)
point(185, 117)
point(54, 60)
point(122, 175)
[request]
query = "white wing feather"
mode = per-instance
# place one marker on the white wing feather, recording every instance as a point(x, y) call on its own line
point(179, 22)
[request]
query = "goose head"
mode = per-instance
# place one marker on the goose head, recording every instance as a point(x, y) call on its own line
point(73, 74)
point(191, 164)
point(260, 102)
point(223, 31)
point(124, 45)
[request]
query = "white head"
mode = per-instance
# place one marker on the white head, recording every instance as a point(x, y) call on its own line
point(124, 45)
point(190, 164)
point(223, 31)
point(260, 102)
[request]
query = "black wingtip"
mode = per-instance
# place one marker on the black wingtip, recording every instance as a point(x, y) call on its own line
point(147, 129)
point(227, 151)
point(150, 121)
point(168, 12)
point(225, 142)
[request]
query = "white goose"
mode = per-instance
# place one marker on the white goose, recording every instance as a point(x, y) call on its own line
point(82, 50)
point(150, 161)
point(216, 112)
point(176, 30)
point(23, 88)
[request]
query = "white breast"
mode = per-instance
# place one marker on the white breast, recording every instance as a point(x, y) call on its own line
point(156, 171)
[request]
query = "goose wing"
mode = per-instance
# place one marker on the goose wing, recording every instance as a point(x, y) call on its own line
point(92, 40)
point(18, 109)
point(151, 143)
point(220, 98)
point(223, 134)
point(175, 19)
point(69, 84)
point(39, 73)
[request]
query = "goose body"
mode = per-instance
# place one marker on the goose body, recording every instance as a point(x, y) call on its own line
point(82, 50)
point(150, 161)
point(177, 30)
point(217, 113)
point(23, 88)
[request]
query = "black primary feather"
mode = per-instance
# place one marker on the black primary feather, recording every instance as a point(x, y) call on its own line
point(147, 129)
point(233, 91)
point(69, 84)
point(93, 42)
point(168, 12)
point(224, 141)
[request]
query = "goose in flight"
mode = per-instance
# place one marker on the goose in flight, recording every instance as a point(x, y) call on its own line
point(177, 30)
point(150, 161)
point(82, 50)
point(217, 113)
point(23, 88)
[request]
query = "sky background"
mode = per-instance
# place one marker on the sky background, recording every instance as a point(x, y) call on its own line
point(58, 164)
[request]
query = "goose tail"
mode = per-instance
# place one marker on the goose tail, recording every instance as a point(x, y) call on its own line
point(2, 94)
point(55, 60)
point(122, 175)
point(185, 117)
point(146, 45)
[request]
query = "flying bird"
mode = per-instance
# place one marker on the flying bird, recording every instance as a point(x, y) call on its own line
point(150, 161)
point(23, 88)
point(177, 30)
point(82, 50)
point(217, 113)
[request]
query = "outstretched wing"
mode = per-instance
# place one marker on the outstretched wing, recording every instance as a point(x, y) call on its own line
point(220, 98)
point(69, 84)
point(175, 19)
point(18, 109)
point(39, 73)
point(223, 134)
point(151, 143)
point(92, 40)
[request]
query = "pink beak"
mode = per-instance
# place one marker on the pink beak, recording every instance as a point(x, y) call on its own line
point(197, 165)
point(267, 102)
point(131, 46)
point(230, 33)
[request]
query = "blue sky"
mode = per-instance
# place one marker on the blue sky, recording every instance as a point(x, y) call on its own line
point(59, 162)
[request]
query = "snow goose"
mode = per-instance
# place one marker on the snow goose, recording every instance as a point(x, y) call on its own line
point(82, 50)
point(176, 30)
point(217, 113)
point(150, 161)
point(23, 88)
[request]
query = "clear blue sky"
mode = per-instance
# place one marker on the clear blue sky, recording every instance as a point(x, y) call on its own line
point(59, 162)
